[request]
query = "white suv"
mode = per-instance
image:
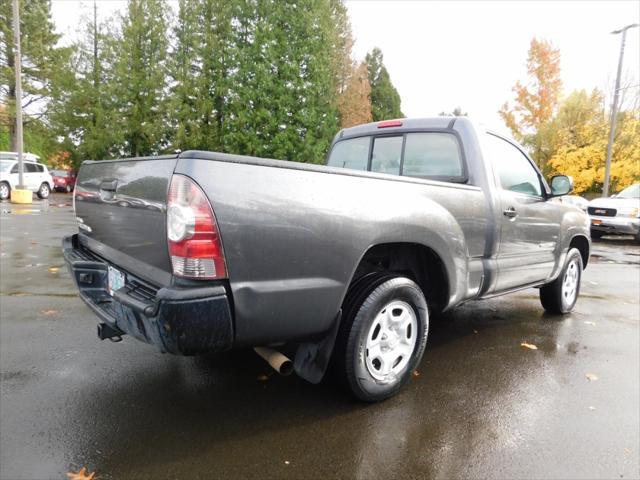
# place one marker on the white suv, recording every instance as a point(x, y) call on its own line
point(36, 178)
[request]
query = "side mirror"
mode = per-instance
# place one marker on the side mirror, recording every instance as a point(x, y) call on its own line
point(561, 185)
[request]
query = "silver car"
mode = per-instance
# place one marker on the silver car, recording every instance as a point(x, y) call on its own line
point(617, 215)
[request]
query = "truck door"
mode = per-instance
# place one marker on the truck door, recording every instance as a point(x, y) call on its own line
point(529, 226)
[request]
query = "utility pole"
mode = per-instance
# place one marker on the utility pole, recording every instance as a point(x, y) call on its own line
point(18, 68)
point(614, 110)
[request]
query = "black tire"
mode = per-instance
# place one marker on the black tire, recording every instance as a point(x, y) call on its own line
point(5, 191)
point(67, 189)
point(555, 298)
point(367, 299)
point(596, 234)
point(44, 191)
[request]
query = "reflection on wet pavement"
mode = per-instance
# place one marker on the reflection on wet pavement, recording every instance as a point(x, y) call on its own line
point(481, 405)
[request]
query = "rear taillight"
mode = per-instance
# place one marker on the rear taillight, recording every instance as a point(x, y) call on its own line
point(192, 232)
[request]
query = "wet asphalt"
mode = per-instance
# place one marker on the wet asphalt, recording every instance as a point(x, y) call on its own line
point(479, 406)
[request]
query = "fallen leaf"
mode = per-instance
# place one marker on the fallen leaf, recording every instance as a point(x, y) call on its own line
point(589, 323)
point(263, 377)
point(48, 312)
point(54, 269)
point(416, 373)
point(592, 377)
point(528, 345)
point(33, 242)
point(81, 475)
point(627, 451)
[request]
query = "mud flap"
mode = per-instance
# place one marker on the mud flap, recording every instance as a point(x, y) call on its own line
point(312, 359)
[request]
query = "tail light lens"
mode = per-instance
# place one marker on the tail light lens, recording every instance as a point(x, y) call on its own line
point(192, 232)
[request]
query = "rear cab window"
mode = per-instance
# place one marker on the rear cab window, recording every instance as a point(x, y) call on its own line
point(387, 155)
point(352, 153)
point(428, 155)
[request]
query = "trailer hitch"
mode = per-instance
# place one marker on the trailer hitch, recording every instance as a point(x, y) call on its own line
point(107, 331)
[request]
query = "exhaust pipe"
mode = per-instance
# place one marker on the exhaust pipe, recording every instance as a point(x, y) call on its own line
point(280, 363)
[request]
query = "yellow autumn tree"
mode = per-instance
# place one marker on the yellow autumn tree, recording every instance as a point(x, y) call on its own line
point(536, 100)
point(578, 138)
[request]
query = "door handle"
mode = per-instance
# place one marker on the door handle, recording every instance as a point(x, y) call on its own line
point(510, 212)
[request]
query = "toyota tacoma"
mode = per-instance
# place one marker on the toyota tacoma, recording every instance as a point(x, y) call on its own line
point(340, 264)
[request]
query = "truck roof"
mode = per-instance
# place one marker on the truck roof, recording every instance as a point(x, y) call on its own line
point(399, 124)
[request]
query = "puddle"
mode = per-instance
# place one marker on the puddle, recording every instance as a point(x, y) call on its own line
point(20, 211)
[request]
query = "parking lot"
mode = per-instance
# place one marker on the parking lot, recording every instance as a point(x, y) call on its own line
point(480, 405)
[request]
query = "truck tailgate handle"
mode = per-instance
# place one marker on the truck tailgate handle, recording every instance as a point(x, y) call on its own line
point(510, 212)
point(109, 185)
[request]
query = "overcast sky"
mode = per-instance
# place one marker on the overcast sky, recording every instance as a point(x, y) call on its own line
point(469, 54)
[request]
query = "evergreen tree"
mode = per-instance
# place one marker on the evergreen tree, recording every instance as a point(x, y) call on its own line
point(217, 56)
point(185, 69)
point(140, 73)
point(385, 99)
point(42, 62)
point(282, 104)
point(83, 112)
point(341, 45)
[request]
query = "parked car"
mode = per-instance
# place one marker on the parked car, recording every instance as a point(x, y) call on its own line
point(64, 180)
point(344, 263)
point(26, 156)
point(36, 178)
point(617, 215)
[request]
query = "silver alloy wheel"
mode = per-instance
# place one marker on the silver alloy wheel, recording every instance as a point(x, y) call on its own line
point(391, 340)
point(44, 190)
point(570, 282)
point(4, 191)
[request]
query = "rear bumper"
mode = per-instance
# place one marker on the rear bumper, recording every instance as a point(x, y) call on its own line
point(619, 225)
point(180, 321)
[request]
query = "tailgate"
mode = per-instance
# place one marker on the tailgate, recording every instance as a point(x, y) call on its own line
point(121, 211)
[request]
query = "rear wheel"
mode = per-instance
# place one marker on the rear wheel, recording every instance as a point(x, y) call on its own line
point(382, 336)
point(44, 191)
point(561, 295)
point(67, 189)
point(5, 191)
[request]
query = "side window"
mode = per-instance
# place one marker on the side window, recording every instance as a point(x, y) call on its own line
point(30, 167)
point(432, 155)
point(353, 153)
point(386, 155)
point(514, 169)
point(40, 168)
point(14, 169)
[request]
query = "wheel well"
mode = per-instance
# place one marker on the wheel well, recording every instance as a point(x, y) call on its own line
point(417, 262)
point(582, 244)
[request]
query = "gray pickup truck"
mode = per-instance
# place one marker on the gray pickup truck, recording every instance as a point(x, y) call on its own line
point(339, 264)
